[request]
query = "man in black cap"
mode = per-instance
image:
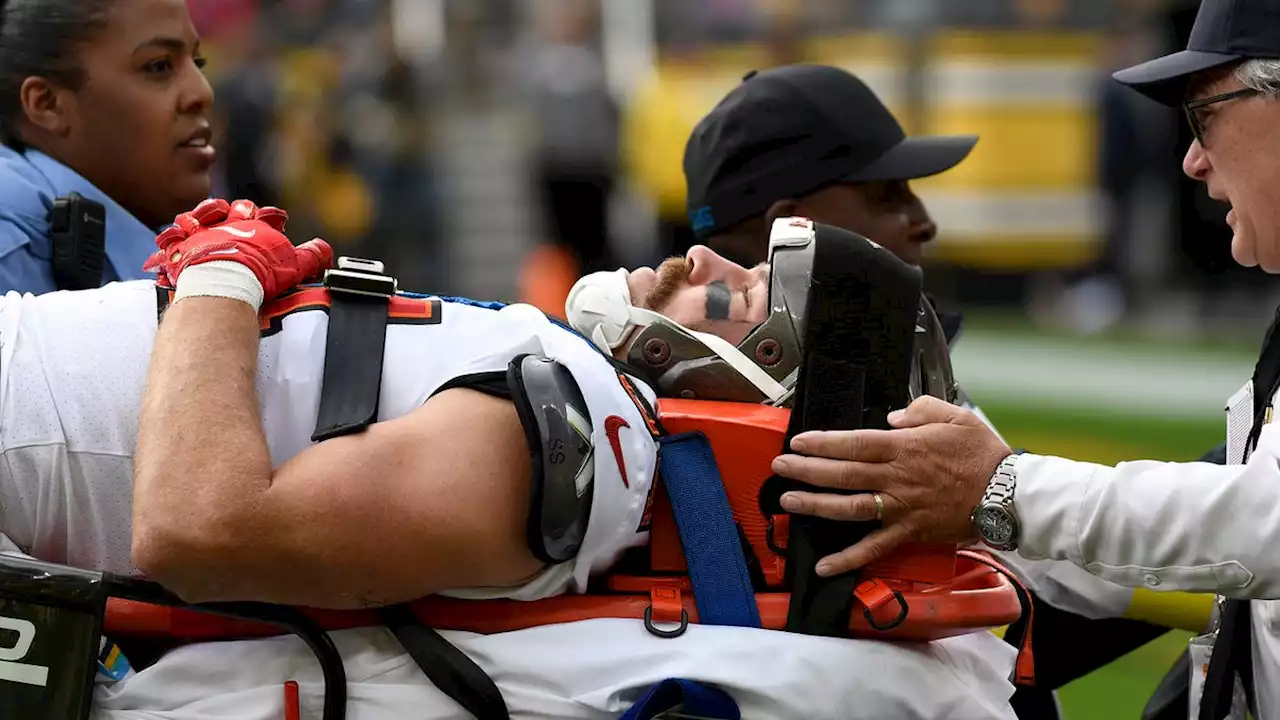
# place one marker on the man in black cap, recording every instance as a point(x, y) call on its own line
point(1194, 527)
point(814, 141)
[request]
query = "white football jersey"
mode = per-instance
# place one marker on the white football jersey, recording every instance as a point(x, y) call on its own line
point(73, 367)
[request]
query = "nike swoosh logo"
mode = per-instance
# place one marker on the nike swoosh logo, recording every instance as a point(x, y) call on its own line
point(245, 234)
point(611, 426)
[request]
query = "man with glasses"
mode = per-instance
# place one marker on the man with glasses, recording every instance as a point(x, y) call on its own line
point(942, 475)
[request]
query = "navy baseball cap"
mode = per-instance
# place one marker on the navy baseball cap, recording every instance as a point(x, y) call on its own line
point(788, 131)
point(1225, 31)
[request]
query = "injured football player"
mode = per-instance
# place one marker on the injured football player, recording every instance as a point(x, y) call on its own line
point(252, 428)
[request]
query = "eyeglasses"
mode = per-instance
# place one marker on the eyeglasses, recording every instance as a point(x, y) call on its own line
point(1197, 125)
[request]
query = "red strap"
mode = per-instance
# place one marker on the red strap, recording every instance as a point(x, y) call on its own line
point(292, 711)
point(781, 530)
point(666, 602)
point(1024, 670)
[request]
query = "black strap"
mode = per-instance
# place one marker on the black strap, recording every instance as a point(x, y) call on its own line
point(859, 336)
point(1266, 380)
point(1231, 656)
point(490, 382)
point(447, 667)
point(354, 348)
point(832, 399)
point(1232, 650)
point(353, 354)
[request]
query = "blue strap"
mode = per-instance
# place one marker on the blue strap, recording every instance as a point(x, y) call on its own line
point(717, 569)
point(698, 700)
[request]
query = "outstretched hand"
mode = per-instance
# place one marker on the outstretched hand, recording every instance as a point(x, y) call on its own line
point(930, 473)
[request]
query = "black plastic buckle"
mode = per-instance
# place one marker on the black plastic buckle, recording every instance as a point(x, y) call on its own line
point(648, 624)
point(902, 603)
point(359, 276)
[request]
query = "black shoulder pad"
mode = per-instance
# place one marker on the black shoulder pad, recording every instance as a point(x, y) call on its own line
point(558, 428)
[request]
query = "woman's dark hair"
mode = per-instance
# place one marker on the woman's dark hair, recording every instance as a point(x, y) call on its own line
point(39, 37)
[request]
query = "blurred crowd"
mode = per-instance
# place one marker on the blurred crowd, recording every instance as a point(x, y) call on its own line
point(331, 108)
point(320, 112)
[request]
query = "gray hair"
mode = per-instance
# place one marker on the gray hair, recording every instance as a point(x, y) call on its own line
point(1261, 74)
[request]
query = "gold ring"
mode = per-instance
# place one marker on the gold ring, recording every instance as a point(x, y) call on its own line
point(879, 506)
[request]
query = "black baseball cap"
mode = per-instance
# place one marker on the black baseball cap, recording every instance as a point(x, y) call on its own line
point(1225, 31)
point(788, 131)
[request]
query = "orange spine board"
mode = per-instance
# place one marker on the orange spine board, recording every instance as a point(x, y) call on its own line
point(745, 439)
point(981, 598)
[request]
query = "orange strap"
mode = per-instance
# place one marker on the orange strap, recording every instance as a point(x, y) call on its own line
point(1024, 671)
point(668, 606)
point(877, 595)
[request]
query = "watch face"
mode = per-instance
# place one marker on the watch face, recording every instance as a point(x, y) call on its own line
point(995, 525)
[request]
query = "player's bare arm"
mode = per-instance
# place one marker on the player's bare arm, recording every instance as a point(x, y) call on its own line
point(433, 500)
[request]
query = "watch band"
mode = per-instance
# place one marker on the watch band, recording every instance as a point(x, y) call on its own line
point(1000, 488)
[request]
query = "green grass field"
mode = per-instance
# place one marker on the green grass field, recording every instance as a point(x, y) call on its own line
point(1109, 435)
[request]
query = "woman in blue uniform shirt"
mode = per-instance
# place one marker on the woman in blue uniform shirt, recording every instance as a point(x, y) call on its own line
point(105, 98)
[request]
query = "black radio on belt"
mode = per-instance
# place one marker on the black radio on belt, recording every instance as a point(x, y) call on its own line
point(78, 231)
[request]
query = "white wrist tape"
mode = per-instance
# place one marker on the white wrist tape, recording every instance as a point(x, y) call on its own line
point(220, 278)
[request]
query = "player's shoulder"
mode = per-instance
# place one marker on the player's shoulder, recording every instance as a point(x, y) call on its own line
point(614, 397)
point(504, 332)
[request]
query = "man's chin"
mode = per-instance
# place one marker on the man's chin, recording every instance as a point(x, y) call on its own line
point(1245, 252)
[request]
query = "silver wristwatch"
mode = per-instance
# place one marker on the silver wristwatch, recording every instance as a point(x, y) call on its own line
point(994, 519)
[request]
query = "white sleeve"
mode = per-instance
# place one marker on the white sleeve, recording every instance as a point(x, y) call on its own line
point(1057, 582)
point(1194, 527)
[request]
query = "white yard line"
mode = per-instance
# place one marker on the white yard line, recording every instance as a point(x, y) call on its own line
point(1060, 373)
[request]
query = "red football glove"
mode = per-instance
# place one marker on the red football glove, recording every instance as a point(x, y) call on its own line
point(239, 232)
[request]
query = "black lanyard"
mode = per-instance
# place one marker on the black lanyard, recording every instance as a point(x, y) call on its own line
point(1232, 651)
